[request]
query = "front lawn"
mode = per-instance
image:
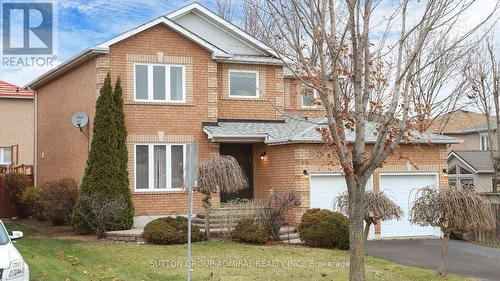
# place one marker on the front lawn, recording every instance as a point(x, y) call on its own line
point(63, 259)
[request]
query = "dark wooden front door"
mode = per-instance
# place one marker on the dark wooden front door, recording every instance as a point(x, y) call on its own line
point(243, 154)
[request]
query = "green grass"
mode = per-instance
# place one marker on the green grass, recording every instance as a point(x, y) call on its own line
point(56, 259)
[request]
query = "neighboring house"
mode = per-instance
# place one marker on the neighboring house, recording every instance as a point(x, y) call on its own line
point(455, 120)
point(475, 137)
point(17, 123)
point(471, 167)
point(192, 77)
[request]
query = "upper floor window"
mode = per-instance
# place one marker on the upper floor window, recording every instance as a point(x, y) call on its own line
point(243, 83)
point(309, 95)
point(159, 83)
point(159, 166)
point(484, 143)
point(5, 155)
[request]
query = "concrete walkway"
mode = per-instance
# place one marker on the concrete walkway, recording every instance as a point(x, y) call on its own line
point(464, 258)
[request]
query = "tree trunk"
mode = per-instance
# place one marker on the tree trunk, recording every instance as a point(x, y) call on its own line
point(444, 254)
point(356, 233)
point(367, 231)
point(495, 152)
point(207, 223)
point(101, 230)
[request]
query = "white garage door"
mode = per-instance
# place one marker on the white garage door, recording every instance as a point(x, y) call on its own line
point(325, 189)
point(401, 188)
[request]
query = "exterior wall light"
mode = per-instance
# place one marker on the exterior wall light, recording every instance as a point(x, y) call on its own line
point(306, 174)
point(263, 155)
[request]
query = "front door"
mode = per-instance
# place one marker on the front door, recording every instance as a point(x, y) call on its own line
point(243, 154)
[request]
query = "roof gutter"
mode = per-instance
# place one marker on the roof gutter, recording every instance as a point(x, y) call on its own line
point(16, 97)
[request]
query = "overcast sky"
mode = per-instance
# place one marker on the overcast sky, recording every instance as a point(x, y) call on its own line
point(83, 24)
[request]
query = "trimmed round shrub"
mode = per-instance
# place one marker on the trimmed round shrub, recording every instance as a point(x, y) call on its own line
point(324, 229)
point(169, 230)
point(15, 185)
point(32, 199)
point(60, 198)
point(248, 230)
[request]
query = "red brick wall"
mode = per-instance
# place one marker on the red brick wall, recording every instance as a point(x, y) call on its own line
point(17, 118)
point(62, 148)
point(293, 99)
point(268, 106)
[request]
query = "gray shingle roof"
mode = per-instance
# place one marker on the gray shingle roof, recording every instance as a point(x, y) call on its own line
point(296, 129)
point(480, 160)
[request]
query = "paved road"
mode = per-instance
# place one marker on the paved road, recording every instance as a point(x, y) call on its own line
point(466, 259)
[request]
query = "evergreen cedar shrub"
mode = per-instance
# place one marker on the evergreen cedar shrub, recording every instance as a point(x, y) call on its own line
point(32, 199)
point(59, 197)
point(324, 229)
point(168, 230)
point(106, 172)
point(247, 230)
point(15, 185)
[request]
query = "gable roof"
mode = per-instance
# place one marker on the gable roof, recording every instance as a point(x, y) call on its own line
point(227, 26)
point(169, 21)
point(171, 24)
point(477, 160)
point(296, 129)
point(8, 90)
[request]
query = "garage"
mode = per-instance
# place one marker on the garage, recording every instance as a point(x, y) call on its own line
point(324, 188)
point(402, 189)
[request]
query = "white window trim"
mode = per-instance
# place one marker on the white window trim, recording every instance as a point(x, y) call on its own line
point(257, 94)
point(315, 96)
point(2, 152)
point(487, 143)
point(167, 83)
point(151, 167)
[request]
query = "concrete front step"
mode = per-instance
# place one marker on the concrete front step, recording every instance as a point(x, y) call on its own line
point(130, 235)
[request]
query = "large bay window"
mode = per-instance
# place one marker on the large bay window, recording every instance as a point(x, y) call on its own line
point(5, 155)
point(159, 83)
point(159, 166)
point(243, 83)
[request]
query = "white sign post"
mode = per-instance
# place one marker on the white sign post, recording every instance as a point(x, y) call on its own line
point(191, 180)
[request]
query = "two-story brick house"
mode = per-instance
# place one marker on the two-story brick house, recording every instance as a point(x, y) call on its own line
point(192, 77)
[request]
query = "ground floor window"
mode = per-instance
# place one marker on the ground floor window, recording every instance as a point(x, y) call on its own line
point(159, 166)
point(5, 155)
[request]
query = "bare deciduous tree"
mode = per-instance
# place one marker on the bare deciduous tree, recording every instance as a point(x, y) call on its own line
point(327, 45)
point(219, 174)
point(101, 210)
point(376, 207)
point(451, 209)
point(276, 208)
point(482, 73)
point(225, 9)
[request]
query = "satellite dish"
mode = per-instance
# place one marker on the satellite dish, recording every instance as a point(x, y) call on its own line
point(80, 119)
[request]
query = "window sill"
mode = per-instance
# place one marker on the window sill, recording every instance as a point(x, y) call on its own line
point(157, 192)
point(242, 98)
point(159, 103)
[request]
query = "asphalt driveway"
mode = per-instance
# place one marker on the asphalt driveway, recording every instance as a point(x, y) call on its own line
point(465, 259)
